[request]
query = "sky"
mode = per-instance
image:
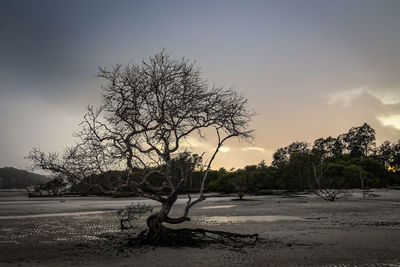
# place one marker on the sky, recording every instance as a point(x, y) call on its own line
point(309, 69)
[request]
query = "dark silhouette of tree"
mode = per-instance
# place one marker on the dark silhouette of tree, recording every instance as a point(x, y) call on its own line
point(280, 156)
point(395, 160)
point(360, 141)
point(384, 153)
point(344, 162)
point(240, 183)
point(328, 147)
point(148, 112)
point(293, 164)
point(283, 154)
point(297, 148)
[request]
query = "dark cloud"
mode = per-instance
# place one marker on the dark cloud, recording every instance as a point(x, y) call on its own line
point(284, 55)
point(36, 46)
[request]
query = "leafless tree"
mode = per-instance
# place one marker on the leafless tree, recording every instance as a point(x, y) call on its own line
point(326, 187)
point(149, 111)
point(131, 213)
point(362, 177)
point(331, 194)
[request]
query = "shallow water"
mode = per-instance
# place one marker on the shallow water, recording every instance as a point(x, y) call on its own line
point(79, 213)
point(217, 207)
point(245, 219)
point(29, 202)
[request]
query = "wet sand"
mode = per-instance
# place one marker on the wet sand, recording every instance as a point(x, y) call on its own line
point(297, 230)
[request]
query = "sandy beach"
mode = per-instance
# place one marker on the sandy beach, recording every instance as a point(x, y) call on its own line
point(296, 230)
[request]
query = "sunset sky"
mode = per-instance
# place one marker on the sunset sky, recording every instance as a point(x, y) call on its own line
point(309, 69)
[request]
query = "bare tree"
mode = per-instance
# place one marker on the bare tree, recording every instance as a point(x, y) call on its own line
point(132, 213)
point(240, 183)
point(149, 112)
point(326, 188)
point(331, 194)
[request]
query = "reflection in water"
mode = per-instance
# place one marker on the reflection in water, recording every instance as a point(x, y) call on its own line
point(244, 219)
point(53, 214)
point(8, 242)
point(28, 202)
point(217, 207)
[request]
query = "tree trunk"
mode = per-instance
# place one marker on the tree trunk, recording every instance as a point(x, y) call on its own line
point(361, 179)
point(154, 221)
point(156, 230)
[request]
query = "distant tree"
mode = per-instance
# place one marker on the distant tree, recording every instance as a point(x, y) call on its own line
point(262, 164)
point(360, 141)
point(261, 178)
point(328, 147)
point(293, 166)
point(184, 166)
point(252, 178)
point(280, 156)
point(331, 194)
point(331, 182)
point(240, 183)
point(283, 154)
point(362, 177)
point(297, 148)
point(373, 172)
point(327, 166)
point(54, 187)
point(213, 180)
point(348, 161)
point(339, 146)
point(395, 160)
point(385, 153)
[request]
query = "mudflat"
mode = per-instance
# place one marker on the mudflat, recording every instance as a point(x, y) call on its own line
point(296, 230)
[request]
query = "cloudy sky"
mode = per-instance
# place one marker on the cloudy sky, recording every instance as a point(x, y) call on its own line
point(310, 69)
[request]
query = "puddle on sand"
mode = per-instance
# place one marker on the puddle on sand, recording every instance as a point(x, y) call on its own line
point(9, 242)
point(53, 214)
point(40, 202)
point(217, 207)
point(244, 219)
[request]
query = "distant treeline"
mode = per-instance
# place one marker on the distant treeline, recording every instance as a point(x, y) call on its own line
point(11, 178)
point(350, 160)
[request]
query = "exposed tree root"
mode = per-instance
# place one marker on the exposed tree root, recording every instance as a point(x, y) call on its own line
point(193, 237)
